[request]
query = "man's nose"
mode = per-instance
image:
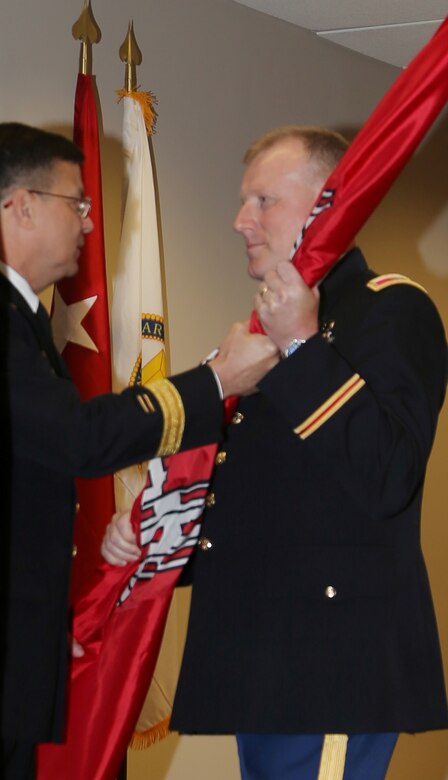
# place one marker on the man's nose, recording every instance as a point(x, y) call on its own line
point(87, 225)
point(244, 219)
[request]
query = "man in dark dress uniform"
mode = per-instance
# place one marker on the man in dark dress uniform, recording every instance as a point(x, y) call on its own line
point(312, 634)
point(49, 436)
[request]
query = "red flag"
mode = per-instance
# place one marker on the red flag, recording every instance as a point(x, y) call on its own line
point(81, 329)
point(126, 608)
point(373, 161)
point(350, 195)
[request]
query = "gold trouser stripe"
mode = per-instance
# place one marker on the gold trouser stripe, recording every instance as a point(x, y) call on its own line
point(170, 402)
point(332, 761)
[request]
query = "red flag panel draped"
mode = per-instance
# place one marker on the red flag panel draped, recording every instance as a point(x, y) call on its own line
point(126, 638)
point(374, 160)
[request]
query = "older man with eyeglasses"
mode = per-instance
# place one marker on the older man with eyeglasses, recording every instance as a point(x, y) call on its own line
point(49, 436)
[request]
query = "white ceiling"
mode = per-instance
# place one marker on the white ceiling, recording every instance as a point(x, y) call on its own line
point(393, 31)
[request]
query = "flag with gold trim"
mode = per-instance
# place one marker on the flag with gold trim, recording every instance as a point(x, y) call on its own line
point(138, 328)
point(138, 325)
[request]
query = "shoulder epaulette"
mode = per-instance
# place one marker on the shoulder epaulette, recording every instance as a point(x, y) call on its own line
point(379, 283)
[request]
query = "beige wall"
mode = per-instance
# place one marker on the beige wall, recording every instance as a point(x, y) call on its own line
point(223, 74)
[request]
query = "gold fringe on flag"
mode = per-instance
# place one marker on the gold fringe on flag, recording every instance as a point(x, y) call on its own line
point(147, 102)
point(144, 739)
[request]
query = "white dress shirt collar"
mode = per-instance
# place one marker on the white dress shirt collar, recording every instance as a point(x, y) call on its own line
point(21, 285)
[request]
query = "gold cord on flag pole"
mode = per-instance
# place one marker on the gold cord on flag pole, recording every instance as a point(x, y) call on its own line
point(130, 54)
point(86, 30)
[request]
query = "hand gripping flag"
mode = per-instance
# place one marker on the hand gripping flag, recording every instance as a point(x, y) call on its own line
point(80, 319)
point(119, 621)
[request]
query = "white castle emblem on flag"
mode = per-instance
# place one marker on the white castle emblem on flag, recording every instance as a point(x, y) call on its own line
point(169, 527)
point(325, 201)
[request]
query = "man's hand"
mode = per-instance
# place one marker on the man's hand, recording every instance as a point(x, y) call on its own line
point(119, 545)
point(243, 359)
point(287, 308)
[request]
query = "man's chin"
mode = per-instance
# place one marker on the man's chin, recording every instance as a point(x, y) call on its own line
point(69, 272)
point(73, 270)
point(256, 269)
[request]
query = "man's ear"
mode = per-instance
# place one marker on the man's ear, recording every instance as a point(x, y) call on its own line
point(22, 205)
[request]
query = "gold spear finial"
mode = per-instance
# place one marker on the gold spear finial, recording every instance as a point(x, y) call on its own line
point(86, 30)
point(132, 56)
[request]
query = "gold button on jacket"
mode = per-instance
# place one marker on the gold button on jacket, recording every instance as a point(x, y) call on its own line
point(210, 500)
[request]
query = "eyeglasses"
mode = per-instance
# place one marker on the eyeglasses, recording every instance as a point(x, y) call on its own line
point(82, 205)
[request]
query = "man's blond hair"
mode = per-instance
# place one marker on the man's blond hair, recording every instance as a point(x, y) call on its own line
point(325, 147)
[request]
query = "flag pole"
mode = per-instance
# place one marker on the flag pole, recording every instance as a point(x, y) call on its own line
point(130, 54)
point(80, 311)
point(86, 30)
point(152, 362)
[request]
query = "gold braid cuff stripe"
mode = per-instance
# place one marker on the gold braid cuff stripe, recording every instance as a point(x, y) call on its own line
point(332, 761)
point(170, 402)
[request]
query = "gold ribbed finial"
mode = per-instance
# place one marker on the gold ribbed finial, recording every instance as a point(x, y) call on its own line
point(86, 30)
point(132, 56)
